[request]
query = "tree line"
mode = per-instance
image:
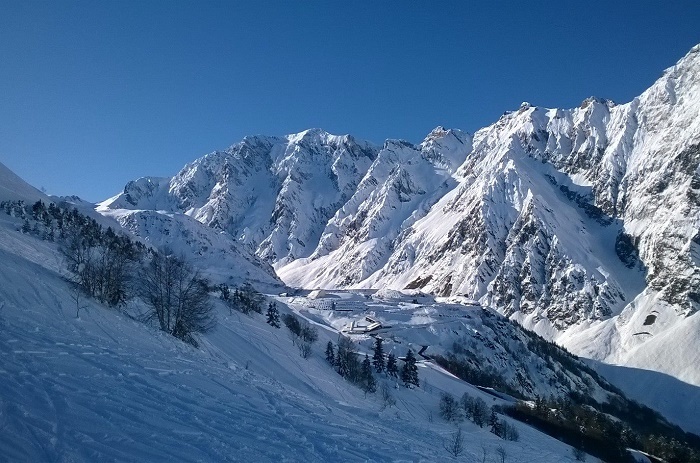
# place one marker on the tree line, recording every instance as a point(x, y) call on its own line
point(597, 433)
point(589, 426)
point(346, 361)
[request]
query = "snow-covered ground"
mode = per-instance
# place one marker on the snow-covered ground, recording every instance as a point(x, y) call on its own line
point(104, 387)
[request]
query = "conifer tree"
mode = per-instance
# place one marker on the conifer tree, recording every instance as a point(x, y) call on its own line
point(273, 315)
point(409, 372)
point(391, 368)
point(341, 364)
point(378, 357)
point(369, 384)
point(330, 354)
point(344, 357)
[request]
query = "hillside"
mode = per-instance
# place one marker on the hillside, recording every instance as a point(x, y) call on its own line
point(107, 387)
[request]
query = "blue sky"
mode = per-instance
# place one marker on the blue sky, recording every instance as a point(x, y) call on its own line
point(94, 94)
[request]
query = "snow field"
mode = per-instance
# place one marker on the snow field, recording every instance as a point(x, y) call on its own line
point(104, 387)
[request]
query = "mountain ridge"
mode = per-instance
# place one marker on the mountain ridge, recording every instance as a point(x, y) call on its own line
point(567, 220)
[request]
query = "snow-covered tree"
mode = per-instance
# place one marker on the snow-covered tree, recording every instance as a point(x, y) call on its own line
point(378, 356)
point(330, 353)
point(369, 384)
point(273, 315)
point(392, 368)
point(409, 372)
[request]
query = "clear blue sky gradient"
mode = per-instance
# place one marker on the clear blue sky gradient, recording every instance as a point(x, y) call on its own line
point(94, 94)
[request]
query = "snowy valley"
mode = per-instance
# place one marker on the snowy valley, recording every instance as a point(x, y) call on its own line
point(103, 386)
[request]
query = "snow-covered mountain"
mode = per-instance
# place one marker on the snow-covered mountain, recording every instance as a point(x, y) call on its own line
point(217, 253)
point(272, 194)
point(104, 386)
point(579, 223)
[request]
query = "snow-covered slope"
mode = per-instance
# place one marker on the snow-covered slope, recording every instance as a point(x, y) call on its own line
point(104, 387)
point(14, 188)
point(216, 253)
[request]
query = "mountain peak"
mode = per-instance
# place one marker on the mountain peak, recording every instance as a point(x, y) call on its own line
point(314, 134)
point(596, 100)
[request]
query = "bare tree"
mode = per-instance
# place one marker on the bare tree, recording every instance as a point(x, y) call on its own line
point(501, 452)
point(455, 444)
point(303, 335)
point(100, 262)
point(247, 299)
point(76, 292)
point(178, 297)
point(304, 349)
point(484, 453)
point(449, 408)
point(293, 324)
point(388, 399)
point(481, 411)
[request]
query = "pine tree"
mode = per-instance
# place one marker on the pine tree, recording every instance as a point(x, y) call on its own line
point(378, 357)
point(495, 424)
point(341, 364)
point(330, 354)
point(369, 384)
point(391, 368)
point(409, 372)
point(26, 228)
point(273, 315)
point(344, 356)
